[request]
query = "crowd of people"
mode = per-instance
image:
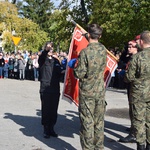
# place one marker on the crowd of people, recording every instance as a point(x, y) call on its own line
point(24, 64)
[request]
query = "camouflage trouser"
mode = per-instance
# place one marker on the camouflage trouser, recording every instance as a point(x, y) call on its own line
point(91, 113)
point(132, 130)
point(141, 121)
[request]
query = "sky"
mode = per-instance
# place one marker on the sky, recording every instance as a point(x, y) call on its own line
point(56, 2)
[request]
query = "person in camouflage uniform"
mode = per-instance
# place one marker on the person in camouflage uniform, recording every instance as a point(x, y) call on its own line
point(132, 50)
point(138, 74)
point(90, 72)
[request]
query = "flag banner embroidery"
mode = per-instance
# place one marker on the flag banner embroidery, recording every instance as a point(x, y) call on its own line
point(109, 70)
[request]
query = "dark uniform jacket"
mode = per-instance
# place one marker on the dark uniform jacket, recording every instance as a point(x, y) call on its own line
point(50, 72)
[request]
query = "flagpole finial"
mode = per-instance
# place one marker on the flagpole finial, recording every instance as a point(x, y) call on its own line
point(69, 18)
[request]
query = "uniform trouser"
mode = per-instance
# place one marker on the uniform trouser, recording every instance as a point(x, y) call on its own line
point(132, 130)
point(91, 113)
point(141, 121)
point(49, 107)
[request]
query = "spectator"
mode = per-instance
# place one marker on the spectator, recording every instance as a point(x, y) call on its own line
point(21, 67)
point(63, 64)
point(29, 68)
point(16, 69)
point(6, 68)
point(2, 64)
point(11, 66)
point(36, 67)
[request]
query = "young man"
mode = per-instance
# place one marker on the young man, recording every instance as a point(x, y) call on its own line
point(132, 50)
point(89, 70)
point(138, 74)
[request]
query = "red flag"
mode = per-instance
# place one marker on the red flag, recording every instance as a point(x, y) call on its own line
point(109, 70)
point(71, 88)
point(71, 84)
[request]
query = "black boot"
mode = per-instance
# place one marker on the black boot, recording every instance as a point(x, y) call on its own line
point(140, 146)
point(148, 146)
point(49, 131)
point(52, 132)
point(46, 132)
point(128, 139)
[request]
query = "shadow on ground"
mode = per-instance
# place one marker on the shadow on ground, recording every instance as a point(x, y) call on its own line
point(111, 128)
point(31, 126)
point(118, 113)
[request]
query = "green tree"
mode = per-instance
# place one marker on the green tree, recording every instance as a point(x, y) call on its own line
point(115, 19)
point(121, 20)
point(141, 20)
point(60, 30)
point(30, 33)
point(38, 11)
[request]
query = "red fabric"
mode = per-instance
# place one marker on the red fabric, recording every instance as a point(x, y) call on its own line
point(71, 88)
point(110, 68)
point(71, 84)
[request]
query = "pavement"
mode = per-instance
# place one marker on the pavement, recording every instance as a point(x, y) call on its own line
point(20, 119)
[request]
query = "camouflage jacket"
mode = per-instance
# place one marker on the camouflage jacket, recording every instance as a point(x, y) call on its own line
point(138, 74)
point(90, 70)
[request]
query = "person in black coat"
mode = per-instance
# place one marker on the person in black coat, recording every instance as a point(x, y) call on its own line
point(2, 63)
point(50, 73)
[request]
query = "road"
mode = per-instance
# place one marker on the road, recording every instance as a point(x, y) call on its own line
point(20, 118)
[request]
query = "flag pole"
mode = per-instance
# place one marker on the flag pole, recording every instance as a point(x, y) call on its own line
point(84, 31)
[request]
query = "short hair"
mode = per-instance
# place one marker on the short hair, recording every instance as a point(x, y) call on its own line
point(145, 37)
point(95, 31)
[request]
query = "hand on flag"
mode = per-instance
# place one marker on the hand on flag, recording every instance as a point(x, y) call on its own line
point(72, 62)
